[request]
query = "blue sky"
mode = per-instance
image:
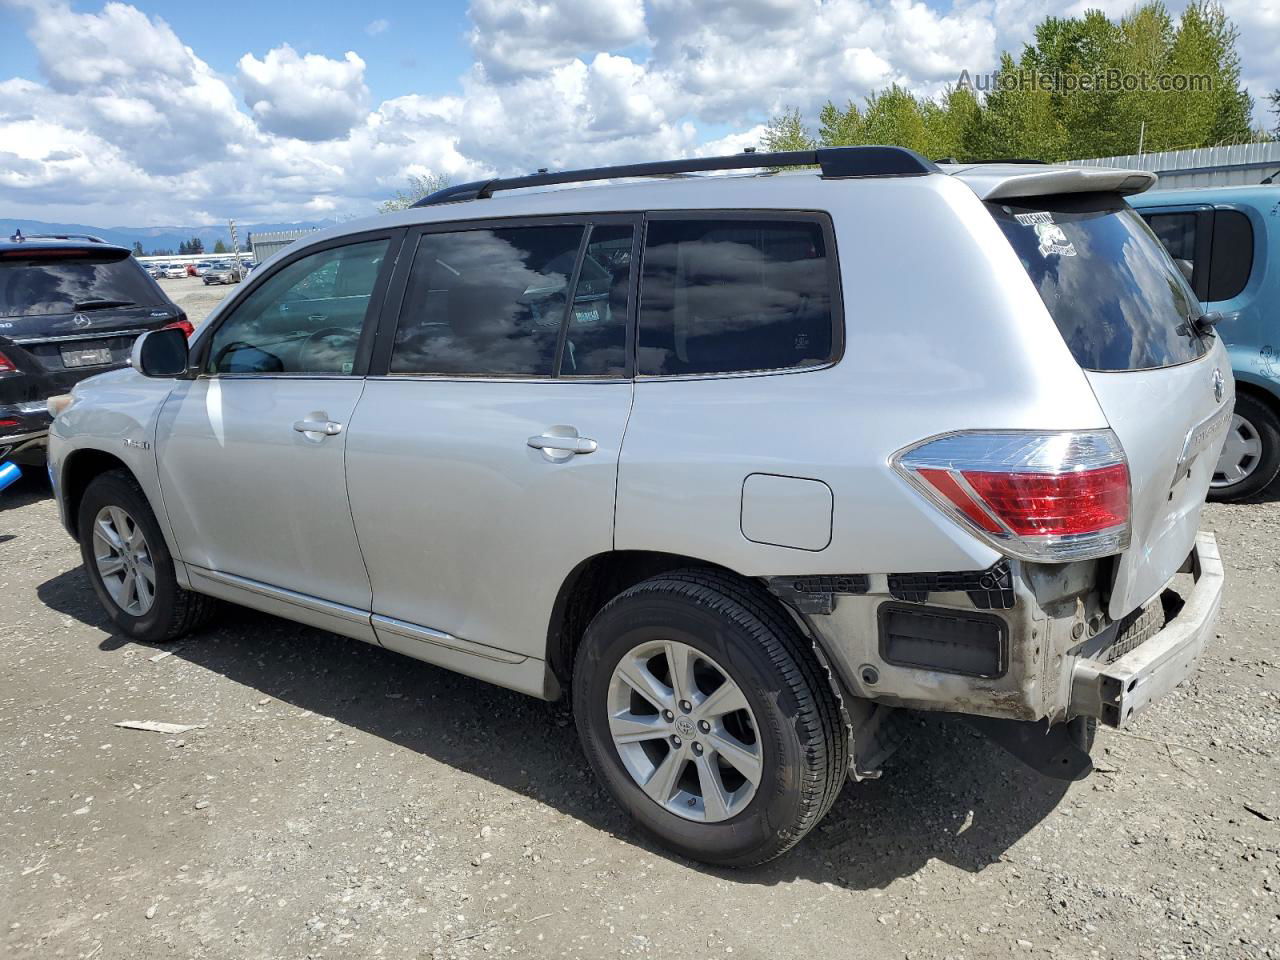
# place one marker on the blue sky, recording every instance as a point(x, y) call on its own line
point(150, 113)
point(406, 46)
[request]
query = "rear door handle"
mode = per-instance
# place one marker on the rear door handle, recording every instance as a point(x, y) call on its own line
point(329, 428)
point(565, 445)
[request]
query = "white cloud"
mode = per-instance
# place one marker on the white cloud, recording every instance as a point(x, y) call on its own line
point(513, 38)
point(127, 122)
point(306, 97)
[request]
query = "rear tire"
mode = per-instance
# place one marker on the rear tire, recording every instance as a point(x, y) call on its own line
point(1251, 452)
point(114, 511)
point(734, 636)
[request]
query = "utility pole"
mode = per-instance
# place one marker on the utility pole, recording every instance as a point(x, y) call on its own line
point(235, 248)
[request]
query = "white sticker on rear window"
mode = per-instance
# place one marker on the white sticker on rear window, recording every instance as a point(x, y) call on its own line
point(1031, 219)
point(1053, 240)
point(1051, 236)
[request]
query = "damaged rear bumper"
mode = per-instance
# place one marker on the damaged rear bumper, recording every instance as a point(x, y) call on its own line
point(1117, 692)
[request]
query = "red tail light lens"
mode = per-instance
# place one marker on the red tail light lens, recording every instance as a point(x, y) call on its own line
point(183, 324)
point(6, 365)
point(1049, 497)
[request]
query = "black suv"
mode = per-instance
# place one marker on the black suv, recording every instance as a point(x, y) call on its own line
point(70, 307)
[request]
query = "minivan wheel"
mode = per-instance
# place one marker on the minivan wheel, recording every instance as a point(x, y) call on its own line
point(129, 565)
point(1250, 456)
point(705, 714)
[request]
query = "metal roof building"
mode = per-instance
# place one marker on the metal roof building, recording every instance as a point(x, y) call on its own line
point(1236, 165)
point(266, 245)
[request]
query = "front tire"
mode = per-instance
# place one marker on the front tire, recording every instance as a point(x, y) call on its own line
point(705, 714)
point(1250, 457)
point(129, 565)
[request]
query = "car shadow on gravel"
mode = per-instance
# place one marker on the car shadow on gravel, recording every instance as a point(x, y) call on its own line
point(31, 487)
point(948, 794)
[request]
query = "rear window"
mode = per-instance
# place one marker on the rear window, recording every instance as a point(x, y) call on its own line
point(40, 287)
point(1117, 298)
point(723, 295)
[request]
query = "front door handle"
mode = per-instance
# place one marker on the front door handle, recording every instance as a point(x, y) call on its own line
point(561, 448)
point(328, 428)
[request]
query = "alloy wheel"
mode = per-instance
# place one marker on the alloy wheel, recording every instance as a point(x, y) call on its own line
point(684, 731)
point(123, 560)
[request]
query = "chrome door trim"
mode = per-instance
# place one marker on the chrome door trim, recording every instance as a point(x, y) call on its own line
point(411, 631)
point(339, 610)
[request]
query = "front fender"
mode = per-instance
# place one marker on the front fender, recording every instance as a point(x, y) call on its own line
point(113, 418)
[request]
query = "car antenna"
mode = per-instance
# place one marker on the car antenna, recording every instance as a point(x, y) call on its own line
point(1271, 179)
point(17, 235)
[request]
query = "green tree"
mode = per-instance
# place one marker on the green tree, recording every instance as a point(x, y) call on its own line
point(1084, 87)
point(840, 128)
point(137, 249)
point(419, 187)
point(195, 245)
point(219, 247)
point(787, 132)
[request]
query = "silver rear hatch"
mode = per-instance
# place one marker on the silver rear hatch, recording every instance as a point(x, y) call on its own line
point(1129, 318)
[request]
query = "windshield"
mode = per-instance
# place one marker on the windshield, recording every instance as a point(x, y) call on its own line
point(1118, 300)
point(42, 287)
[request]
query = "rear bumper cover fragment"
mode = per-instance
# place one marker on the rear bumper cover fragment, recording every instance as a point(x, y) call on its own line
point(1117, 692)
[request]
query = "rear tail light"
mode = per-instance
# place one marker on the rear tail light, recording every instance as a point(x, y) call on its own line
point(183, 324)
point(6, 365)
point(1049, 497)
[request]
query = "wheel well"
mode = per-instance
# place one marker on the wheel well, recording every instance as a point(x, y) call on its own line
point(78, 472)
point(1262, 395)
point(592, 584)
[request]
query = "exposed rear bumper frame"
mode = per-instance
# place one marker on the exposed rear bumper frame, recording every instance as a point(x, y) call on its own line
point(1117, 692)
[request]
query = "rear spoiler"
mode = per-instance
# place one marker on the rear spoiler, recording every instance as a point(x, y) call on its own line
point(996, 181)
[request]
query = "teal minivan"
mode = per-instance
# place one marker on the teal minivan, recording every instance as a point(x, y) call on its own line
point(1227, 242)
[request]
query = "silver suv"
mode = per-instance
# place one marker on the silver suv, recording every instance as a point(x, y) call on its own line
point(751, 464)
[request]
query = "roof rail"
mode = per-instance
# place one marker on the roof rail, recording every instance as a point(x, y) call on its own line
point(835, 162)
point(986, 160)
point(56, 236)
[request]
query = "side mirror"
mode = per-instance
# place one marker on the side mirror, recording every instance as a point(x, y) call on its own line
point(160, 353)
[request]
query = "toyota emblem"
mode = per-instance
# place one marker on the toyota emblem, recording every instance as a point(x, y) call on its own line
point(1219, 385)
point(80, 320)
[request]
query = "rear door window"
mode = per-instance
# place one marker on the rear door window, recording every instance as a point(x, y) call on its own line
point(736, 294)
point(1178, 233)
point(1117, 298)
point(42, 286)
point(1232, 259)
point(596, 336)
point(488, 302)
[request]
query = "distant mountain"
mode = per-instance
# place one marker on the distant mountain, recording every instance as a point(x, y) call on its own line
point(156, 238)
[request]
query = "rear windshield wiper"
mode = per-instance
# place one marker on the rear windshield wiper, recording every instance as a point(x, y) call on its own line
point(103, 304)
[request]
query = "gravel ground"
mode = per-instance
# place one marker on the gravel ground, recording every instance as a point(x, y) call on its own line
point(337, 800)
point(193, 296)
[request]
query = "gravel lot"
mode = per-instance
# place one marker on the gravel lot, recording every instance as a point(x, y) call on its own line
point(336, 800)
point(191, 294)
